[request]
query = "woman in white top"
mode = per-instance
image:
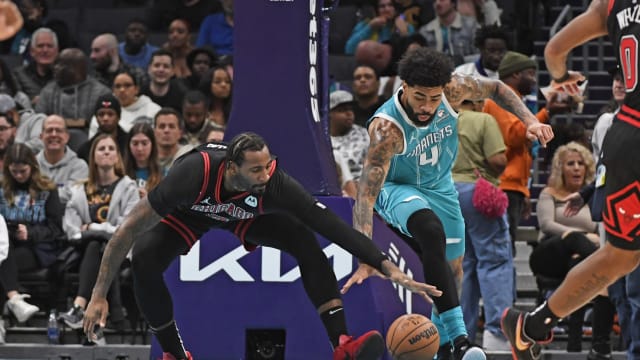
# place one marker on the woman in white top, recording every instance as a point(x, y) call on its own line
point(135, 107)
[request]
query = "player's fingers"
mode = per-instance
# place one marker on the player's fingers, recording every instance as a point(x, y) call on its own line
point(355, 279)
point(88, 327)
point(432, 290)
point(572, 89)
point(344, 289)
point(346, 286)
point(541, 138)
point(426, 297)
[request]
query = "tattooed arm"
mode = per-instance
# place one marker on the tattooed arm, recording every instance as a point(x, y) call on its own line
point(472, 88)
point(141, 218)
point(386, 140)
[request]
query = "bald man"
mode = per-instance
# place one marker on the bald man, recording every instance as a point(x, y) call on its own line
point(107, 63)
point(57, 160)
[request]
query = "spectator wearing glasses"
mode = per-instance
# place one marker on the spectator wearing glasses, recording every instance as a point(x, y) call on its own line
point(57, 161)
point(134, 106)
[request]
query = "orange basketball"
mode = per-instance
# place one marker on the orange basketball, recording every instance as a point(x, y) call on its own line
point(413, 337)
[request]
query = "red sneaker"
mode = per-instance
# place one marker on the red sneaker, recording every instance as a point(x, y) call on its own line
point(369, 346)
point(169, 356)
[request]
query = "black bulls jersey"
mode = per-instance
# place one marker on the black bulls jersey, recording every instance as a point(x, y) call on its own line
point(193, 192)
point(623, 24)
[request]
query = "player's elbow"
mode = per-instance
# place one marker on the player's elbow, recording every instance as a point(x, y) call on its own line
point(374, 176)
point(553, 50)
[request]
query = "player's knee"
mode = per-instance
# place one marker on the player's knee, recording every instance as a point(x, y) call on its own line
point(633, 261)
point(140, 263)
point(425, 226)
point(622, 260)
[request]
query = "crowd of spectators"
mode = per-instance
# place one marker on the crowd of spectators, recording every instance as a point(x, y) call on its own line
point(85, 133)
point(89, 122)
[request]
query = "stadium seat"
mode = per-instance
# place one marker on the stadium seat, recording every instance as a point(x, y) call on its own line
point(342, 21)
point(12, 61)
point(159, 38)
point(341, 67)
point(71, 16)
point(113, 20)
point(98, 4)
point(63, 4)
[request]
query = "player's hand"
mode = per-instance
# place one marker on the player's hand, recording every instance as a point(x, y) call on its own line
point(559, 103)
point(361, 274)
point(398, 277)
point(570, 85)
point(574, 203)
point(95, 315)
point(541, 132)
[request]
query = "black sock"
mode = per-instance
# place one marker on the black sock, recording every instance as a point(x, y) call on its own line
point(539, 323)
point(461, 341)
point(170, 340)
point(603, 312)
point(335, 323)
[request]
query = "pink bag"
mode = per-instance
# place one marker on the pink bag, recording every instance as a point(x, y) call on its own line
point(488, 199)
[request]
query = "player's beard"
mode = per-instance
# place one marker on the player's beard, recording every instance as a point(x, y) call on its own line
point(413, 116)
point(242, 184)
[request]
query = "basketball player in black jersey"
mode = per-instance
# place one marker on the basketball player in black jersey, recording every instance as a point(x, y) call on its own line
point(621, 157)
point(238, 188)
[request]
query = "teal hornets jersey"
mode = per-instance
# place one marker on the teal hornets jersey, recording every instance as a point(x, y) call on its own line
point(429, 152)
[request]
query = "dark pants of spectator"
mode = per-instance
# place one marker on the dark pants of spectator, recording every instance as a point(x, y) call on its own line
point(19, 259)
point(88, 273)
point(553, 258)
point(514, 214)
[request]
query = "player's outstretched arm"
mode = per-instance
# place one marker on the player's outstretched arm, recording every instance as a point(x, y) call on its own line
point(141, 218)
point(386, 140)
point(464, 87)
point(588, 25)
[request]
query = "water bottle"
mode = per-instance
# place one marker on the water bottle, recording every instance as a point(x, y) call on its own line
point(53, 331)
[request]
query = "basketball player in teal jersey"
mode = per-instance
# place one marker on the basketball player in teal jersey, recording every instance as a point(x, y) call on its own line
point(407, 177)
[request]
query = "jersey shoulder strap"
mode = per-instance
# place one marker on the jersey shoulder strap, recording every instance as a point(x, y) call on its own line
point(212, 157)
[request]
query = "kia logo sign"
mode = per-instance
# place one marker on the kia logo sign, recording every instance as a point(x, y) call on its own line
point(270, 269)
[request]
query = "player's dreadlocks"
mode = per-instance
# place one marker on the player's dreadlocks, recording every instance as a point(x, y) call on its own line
point(246, 141)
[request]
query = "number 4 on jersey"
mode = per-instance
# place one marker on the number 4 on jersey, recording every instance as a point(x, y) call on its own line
point(433, 160)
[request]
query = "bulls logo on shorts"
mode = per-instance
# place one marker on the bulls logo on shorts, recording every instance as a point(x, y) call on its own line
point(622, 213)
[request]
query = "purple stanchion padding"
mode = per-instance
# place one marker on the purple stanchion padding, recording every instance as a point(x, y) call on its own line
point(219, 291)
point(280, 85)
